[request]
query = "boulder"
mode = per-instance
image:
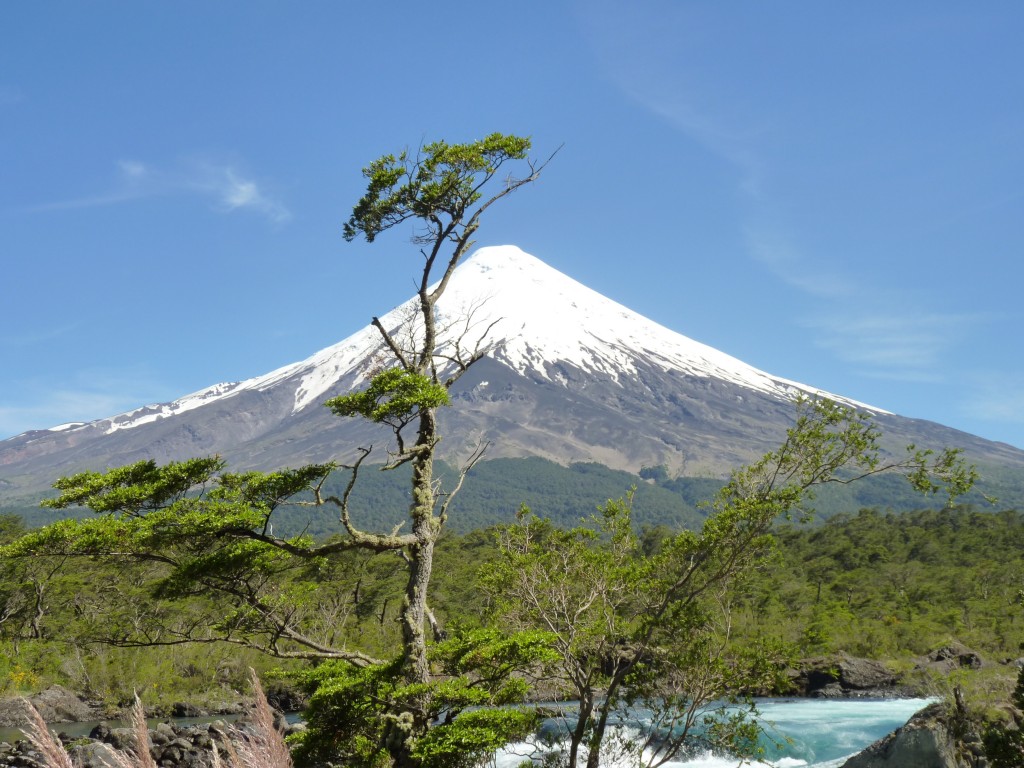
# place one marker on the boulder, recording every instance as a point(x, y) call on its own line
point(827, 691)
point(864, 675)
point(55, 705)
point(101, 732)
point(924, 742)
point(122, 738)
point(13, 713)
point(59, 705)
point(286, 699)
point(933, 738)
point(951, 657)
point(95, 755)
point(843, 676)
point(184, 709)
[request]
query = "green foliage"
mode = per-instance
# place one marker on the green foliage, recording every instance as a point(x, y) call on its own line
point(11, 527)
point(658, 474)
point(357, 716)
point(619, 619)
point(1004, 746)
point(493, 493)
point(473, 737)
point(442, 180)
point(136, 488)
point(393, 396)
point(567, 494)
point(876, 584)
point(205, 560)
point(633, 629)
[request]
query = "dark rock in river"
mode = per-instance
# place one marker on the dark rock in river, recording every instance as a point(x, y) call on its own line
point(924, 742)
point(169, 745)
point(55, 705)
point(842, 677)
point(285, 699)
point(183, 709)
point(59, 705)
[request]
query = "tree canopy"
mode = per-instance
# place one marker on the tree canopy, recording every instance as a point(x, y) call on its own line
point(642, 628)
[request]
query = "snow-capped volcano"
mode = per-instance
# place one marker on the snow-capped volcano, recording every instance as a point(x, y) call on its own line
point(531, 316)
point(542, 316)
point(569, 375)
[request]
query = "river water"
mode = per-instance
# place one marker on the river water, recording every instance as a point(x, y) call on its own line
point(822, 733)
point(819, 733)
point(79, 730)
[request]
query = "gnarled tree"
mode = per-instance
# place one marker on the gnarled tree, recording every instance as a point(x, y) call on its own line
point(210, 535)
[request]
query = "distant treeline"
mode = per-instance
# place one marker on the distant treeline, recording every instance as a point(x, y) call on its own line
point(497, 488)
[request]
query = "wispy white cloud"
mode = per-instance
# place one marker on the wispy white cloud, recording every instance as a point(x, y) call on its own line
point(787, 263)
point(131, 184)
point(59, 407)
point(873, 327)
point(224, 185)
point(133, 170)
point(906, 346)
point(234, 192)
point(882, 332)
point(649, 89)
point(643, 51)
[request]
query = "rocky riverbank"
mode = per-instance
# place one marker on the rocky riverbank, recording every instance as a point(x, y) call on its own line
point(180, 747)
point(258, 732)
point(939, 736)
point(929, 739)
point(170, 746)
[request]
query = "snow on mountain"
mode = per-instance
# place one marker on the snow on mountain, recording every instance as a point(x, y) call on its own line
point(569, 376)
point(532, 316)
point(544, 316)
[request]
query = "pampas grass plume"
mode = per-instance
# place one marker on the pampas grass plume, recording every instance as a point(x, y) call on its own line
point(262, 746)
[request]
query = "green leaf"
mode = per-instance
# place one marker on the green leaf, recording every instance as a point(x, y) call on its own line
point(395, 394)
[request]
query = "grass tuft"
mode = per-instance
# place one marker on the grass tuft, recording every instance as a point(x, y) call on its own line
point(259, 745)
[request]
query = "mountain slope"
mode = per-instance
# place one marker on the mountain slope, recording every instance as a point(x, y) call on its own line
point(569, 375)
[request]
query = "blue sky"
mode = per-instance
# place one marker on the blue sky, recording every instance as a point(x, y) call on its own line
point(830, 192)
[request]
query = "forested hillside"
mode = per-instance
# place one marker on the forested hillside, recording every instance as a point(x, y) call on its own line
point(497, 488)
point(869, 583)
point(891, 585)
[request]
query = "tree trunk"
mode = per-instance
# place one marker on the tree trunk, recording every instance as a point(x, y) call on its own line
point(580, 731)
point(597, 737)
point(402, 735)
point(414, 612)
point(40, 611)
point(594, 750)
point(421, 554)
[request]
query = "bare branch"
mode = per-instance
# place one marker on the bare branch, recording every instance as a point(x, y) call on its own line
point(475, 456)
point(391, 344)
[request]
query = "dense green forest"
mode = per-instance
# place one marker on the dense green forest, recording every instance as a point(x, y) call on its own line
point(896, 585)
point(872, 583)
point(498, 487)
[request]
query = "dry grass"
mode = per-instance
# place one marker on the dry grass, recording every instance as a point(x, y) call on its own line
point(143, 757)
point(259, 745)
point(52, 751)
